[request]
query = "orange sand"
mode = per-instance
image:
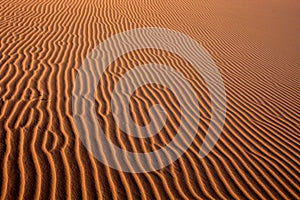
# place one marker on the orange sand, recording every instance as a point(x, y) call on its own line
point(254, 43)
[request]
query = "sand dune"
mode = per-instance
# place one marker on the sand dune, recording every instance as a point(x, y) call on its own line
point(255, 45)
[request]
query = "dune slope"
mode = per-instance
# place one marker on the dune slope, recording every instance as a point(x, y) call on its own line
point(255, 45)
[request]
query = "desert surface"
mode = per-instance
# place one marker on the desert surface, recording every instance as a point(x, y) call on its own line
point(255, 46)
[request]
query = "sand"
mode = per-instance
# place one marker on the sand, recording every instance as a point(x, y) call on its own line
point(255, 45)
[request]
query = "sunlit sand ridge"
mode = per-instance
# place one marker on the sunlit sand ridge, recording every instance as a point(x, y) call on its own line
point(255, 45)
